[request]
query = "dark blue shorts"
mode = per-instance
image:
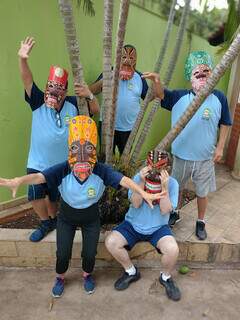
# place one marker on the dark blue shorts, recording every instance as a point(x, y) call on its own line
point(39, 191)
point(132, 236)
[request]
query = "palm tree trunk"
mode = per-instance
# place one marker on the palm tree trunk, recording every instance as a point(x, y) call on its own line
point(179, 40)
point(158, 65)
point(168, 76)
point(217, 73)
point(65, 8)
point(107, 76)
point(123, 14)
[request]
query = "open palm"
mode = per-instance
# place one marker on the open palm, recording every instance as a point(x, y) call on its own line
point(26, 47)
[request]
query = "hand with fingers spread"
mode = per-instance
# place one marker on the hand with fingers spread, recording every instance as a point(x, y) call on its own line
point(26, 47)
point(164, 176)
point(12, 184)
point(158, 91)
point(151, 76)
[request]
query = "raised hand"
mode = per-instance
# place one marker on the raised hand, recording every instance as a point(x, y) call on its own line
point(144, 172)
point(12, 184)
point(82, 90)
point(26, 47)
point(164, 176)
point(151, 76)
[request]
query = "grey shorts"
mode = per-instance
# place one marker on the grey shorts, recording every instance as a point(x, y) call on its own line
point(202, 174)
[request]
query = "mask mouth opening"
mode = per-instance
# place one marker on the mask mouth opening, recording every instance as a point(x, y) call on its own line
point(201, 76)
point(81, 168)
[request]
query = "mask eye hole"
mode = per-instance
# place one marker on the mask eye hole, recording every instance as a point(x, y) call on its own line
point(74, 148)
point(89, 148)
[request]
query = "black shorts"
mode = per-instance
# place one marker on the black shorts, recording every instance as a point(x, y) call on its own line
point(40, 191)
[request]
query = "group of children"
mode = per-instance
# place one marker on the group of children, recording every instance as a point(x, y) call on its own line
point(63, 160)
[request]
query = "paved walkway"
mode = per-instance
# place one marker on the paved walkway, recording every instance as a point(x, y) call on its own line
point(223, 212)
point(206, 294)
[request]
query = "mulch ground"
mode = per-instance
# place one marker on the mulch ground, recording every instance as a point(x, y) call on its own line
point(30, 219)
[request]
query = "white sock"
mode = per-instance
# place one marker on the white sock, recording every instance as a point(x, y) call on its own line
point(131, 271)
point(165, 276)
point(202, 220)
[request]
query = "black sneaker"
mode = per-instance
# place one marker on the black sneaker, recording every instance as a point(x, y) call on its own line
point(201, 232)
point(172, 290)
point(125, 280)
point(174, 218)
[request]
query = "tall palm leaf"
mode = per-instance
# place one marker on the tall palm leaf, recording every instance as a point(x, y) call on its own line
point(167, 78)
point(148, 97)
point(123, 14)
point(88, 7)
point(65, 8)
point(217, 73)
point(107, 76)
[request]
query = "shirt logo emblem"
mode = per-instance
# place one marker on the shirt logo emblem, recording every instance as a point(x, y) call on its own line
point(130, 86)
point(206, 114)
point(67, 119)
point(91, 192)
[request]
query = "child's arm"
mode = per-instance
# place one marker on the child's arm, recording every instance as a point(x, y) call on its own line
point(13, 184)
point(165, 203)
point(136, 198)
point(130, 184)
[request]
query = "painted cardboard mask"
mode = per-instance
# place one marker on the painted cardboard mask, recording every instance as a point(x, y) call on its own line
point(158, 161)
point(55, 91)
point(198, 68)
point(128, 62)
point(82, 141)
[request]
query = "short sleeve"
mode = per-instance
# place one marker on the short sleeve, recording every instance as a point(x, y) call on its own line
point(225, 114)
point(137, 180)
point(36, 100)
point(109, 176)
point(171, 97)
point(173, 189)
point(55, 174)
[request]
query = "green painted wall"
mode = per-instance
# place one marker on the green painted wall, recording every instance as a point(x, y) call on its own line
point(41, 19)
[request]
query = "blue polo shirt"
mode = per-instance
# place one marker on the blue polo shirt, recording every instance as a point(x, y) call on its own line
point(49, 142)
point(130, 93)
point(146, 220)
point(77, 194)
point(198, 139)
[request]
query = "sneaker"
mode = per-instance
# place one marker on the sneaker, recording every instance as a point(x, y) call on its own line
point(43, 229)
point(89, 284)
point(172, 290)
point(174, 218)
point(201, 232)
point(125, 280)
point(58, 288)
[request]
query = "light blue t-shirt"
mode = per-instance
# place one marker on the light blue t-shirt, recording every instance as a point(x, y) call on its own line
point(197, 140)
point(130, 93)
point(146, 220)
point(49, 141)
point(81, 195)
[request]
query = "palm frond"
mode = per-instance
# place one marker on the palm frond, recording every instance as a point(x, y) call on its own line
point(88, 7)
point(231, 27)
